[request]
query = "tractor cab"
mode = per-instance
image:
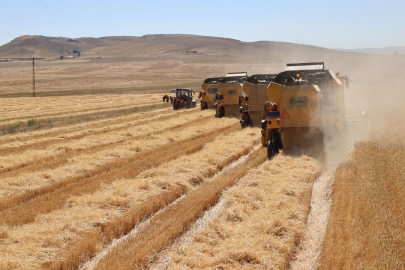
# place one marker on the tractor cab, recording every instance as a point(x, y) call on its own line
point(184, 93)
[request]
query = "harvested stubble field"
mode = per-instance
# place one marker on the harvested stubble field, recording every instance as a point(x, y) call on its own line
point(97, 173)
point(69, 191)
point(367, 225)
point(161, 189)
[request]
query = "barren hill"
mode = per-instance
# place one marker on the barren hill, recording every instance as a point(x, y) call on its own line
point(53, 47)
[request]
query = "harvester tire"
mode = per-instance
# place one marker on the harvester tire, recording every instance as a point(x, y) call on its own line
point(221, 112)
point(274, 144)
point(204, 106)
point(246, 121)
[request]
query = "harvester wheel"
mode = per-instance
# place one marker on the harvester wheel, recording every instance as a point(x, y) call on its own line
point(204, 106)
point(246, 121)
point(274, 144)
point(221, 112)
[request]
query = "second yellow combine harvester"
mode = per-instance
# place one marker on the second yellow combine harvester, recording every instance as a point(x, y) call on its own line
point(207, 95)
point(227, 98)
point(305, 101)
point(251, 103)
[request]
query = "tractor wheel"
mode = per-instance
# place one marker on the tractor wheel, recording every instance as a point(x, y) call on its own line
point(246, 121)
point(274, 143)
point(221, 112)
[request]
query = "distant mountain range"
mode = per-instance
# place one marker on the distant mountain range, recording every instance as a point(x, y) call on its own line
point(154, 45)
point(130, 46)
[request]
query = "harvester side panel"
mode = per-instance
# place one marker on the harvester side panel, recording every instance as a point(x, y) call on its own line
point(246, 87)
point(210, 90)
point(258, 97)
point(299, 106)
point(273, 91)
point(230, 92)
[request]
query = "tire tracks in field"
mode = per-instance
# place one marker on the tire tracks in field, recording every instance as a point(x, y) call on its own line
point(22, 209)
point(137, 250)
point(54, 161)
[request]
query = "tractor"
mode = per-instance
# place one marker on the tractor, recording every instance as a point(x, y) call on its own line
point(183, 99)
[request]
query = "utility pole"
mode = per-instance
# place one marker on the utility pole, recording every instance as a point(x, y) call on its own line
point(33, 76)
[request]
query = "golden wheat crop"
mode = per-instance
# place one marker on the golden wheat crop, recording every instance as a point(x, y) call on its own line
point(256, 225)
point(63, 232)
point(367, 225)
point(24, 108)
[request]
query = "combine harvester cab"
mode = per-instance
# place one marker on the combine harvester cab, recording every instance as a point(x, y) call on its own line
point(207, 94)
point(251, 104)
point(227, 98)
point(183, 99)
point(306, 101)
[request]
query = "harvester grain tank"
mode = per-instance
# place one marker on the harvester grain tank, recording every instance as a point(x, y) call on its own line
point(305, 101)
point(183, 99)
point(227, 98)
point(207, 95)
point(251, 103)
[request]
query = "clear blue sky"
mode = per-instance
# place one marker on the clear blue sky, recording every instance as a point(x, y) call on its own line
point(332, 24)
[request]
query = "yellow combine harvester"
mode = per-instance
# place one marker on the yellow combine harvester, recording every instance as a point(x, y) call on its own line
point(305, 101)
point(251, 104)
point(207, 95)
point(227, 98)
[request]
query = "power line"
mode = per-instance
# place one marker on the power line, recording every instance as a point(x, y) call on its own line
point(33, 76)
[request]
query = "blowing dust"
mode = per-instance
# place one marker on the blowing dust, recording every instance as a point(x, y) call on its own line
point(377, 89)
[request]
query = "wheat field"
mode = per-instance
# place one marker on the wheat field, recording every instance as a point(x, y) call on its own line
point(367, 225)
point(123, 181)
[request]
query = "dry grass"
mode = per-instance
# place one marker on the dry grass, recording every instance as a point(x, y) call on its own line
point(63, 237)
point(57, 131)
point(24, 206)
point(367, 229)
point(42, 139)
point(42, 107)
point(91, 153)
point(167, 225)
point(258, 226)
point(52, 151)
